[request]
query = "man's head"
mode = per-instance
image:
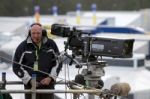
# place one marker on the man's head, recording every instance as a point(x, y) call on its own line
point(36, 33)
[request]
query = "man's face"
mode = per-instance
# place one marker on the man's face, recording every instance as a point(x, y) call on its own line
point(36, 33)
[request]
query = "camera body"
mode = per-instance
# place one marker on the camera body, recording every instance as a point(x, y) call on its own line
point(81, 43)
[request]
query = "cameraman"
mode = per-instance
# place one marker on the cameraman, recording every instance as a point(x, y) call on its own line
point(37, 52)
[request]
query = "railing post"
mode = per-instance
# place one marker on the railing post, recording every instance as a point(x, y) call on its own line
point(4, 80)
point(33, 83)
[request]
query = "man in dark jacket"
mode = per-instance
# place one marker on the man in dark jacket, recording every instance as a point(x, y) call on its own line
point(37, 52)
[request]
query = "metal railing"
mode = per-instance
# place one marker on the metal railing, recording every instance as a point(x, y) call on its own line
point(33, 90)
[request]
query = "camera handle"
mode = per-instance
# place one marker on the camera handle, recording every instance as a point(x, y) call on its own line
point(71, 61)
point(64, 53)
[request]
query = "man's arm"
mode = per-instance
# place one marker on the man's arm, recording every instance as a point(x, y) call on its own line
point(17, 68)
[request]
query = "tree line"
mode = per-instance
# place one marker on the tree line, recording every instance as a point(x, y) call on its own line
point(26, 7)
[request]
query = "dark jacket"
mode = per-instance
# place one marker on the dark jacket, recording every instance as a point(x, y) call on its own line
point(26, 54)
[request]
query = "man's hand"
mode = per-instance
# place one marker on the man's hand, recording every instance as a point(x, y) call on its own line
point(46, 81)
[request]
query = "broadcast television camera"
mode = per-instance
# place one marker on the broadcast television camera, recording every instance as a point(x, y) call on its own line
point(81, 43)
point(90, 48)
